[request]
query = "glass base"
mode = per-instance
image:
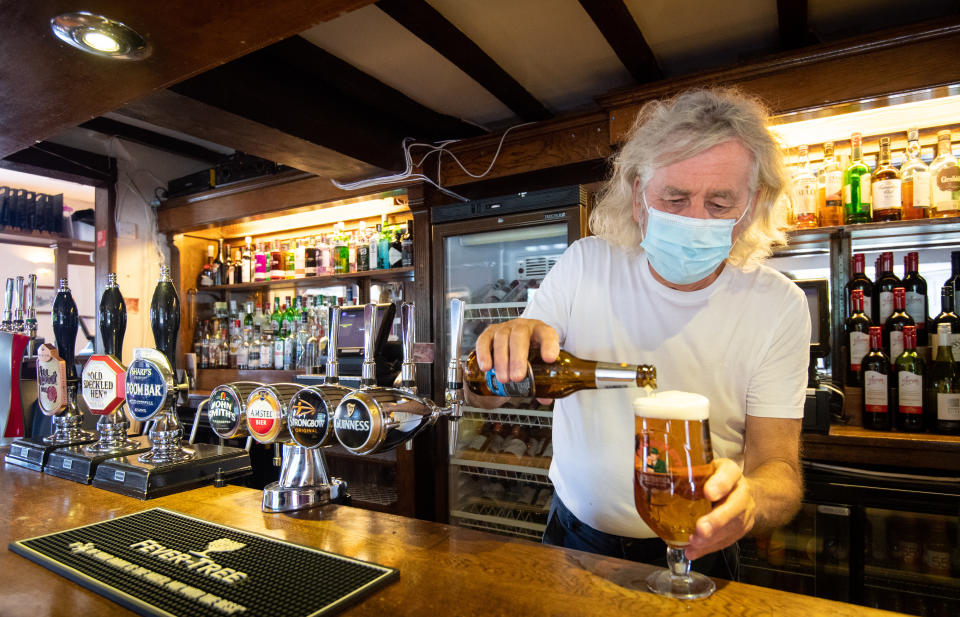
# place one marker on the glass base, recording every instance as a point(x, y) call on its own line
point(690, 587)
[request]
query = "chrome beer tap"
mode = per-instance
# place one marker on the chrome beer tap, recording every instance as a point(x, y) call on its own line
point(30, 312)
point(7, 324)
point(17, 323)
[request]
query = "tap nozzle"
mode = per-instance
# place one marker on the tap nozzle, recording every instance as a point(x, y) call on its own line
point(17, 324)
point(368, 372)
point(31, 306)
point(332, 374)
point(454, 391)
point(408, 370)
point(7, 324)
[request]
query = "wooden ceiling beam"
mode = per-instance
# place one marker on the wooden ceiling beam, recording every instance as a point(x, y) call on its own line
point(792, 18)
point(113, 128)
point(616, 24)
point(436, 31)
point(63, 163)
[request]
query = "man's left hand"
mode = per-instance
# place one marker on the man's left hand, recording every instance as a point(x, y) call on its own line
point(733, 515)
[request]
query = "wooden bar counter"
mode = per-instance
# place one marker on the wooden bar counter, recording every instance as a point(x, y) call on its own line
point(444, 570)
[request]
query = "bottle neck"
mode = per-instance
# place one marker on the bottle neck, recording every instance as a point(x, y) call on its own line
point(943, 146)
point(857, 300)
point(946, 300)
point(909, 339)
point(884, 153)
point(856, 147)
point(858, 265)
point(876, 340)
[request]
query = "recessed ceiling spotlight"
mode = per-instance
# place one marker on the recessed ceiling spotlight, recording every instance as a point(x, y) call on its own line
point(98, 35)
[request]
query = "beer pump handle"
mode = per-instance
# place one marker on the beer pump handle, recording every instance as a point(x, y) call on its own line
point(18, 305)
point(65, 325)
point(30, 314)
point(454, 390)
point(368, 372)
point(8, 305)
point(332, 374)
point(112, 317)
point(408, 370)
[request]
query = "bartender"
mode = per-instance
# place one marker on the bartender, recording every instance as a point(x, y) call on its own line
point(674, 277)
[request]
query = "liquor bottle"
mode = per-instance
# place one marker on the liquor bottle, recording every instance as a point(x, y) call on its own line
point(830, 181)
point(351, 252)
point(216, 268)
point(943, 399)
point(198, 345)
point(299, 260)
point(112, 317)
point(395, 251)
point(805, 193)
point(886, 187)
point(205, 278)
point(407, 246)
point(374, 243)
point(165, 316)
point(236, 343)
point(237, 276)
point(66, 321)
point(857, 330)
point(860, 281)
point(916, 287)
point(289, 261)
point(227, 265)
point(223, 348)
point(954, 280)
point(944, 179)
point(915, 181)
point(324, 264)
point(856, 185)
point(877, 384)
point(277, 271)
point(290, 349)
point(266, 350)
point(245, 262)
point(341, 253)
point(248, 315)
point(253, 349)
point(258, 317)
point(288, 321)
point(279, 340)
point(276, 318)
point(567, 375)
point(261, 269)
point(883, 289)
point(894, 325)
point(363, 253)
point(946, 316)
point(309, 258)
point(383, 246)
point(300, 349)
point(909, 369)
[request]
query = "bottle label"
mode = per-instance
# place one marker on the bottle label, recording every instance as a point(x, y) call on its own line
point(910, 392)
point(886, 305)
point(948, 406)
point(955, 346)
point(833, 188)
point(610, 375)
point(395, 256)
point(859, 347)
point(945, 188)
point(921, 189)
point(514, 388)
point(915, 308)
point(266, 356)
point(868, 307)
point(886, 194)
point(896, 345)
point(477, 442)
point(874, 392)
point(865, 192)
point(847, 194)
point(806, 202)
point(515, 446)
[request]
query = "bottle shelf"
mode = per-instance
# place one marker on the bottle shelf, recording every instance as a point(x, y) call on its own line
point(327, 280)
point(41, 238)
point(498, 526)
point(502, 471)
point(510, 521)
point(889, 235)
point(529, 417)
point(493, 311)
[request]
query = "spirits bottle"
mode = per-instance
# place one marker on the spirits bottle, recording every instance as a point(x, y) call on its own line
point(857, 329)
point(253, 349)
point(246, 263)
point(351, 252)
point(374, 243)
point(279, 340)
point(223, 348)
point(860, 281)
point(383, 247)
point(894, 325)
point(856, 185)
point(883, 289)
point(918, 306)
point(289, 261)
point(805, 193)
point(324, 265)
point(276, 263)
point(227, 265)
point(341, 253)
point(205, 278)
point(112, 317)
point(236, 276)
point(276, 318)
point(944, 179)
point(165, 316)
point(876, 384)
point(309, 258)
point(407, 246)
point(290, 349)
point(266, 351)
point(395, 251)
point(567, 375)
point(830, 181)
point(301, 362)
point(914, 181)
point(943, 396)
point(299, 260)
point(886, 187)
point(260, 266)
point(909, 370)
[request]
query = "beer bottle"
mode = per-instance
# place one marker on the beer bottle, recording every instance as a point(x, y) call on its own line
point(165, 316)
point(112, 317)
point(909, 366)
point(876, 384)
point(567, 375)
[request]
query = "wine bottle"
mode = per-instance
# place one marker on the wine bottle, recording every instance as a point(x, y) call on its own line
point(954, 280)
point(568, 374)
point(217, 267)
point(247, 266)
point(165, 316)
point(876, 384)
point(893, 327)
point(910, 370)
point(112, 317)
point(946, 316)
point(916, 289)
point(857, 328)
point(205, 278)
point(883, 289)
point(860, 281)
point(944, 391)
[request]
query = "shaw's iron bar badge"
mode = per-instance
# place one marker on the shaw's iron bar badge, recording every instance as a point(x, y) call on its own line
point(146, 389)
point(51, 380)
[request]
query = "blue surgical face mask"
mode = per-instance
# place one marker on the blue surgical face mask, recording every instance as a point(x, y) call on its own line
point(685, 250)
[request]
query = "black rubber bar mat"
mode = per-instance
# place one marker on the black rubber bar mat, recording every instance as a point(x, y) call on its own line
point(159, 562)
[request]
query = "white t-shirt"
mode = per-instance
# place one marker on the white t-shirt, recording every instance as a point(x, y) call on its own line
point(743, 342)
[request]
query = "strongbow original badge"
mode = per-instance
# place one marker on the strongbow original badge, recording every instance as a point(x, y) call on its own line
point(51, 381)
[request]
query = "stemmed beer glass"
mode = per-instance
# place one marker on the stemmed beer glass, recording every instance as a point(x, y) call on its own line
point(673, 459)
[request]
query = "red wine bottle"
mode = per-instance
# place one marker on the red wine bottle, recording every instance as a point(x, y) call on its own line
point(883, 289)
point(918, 306)
point(893, 327)
point(910, 370)
point(857, 330)
point(877, 384)
point(860, 281)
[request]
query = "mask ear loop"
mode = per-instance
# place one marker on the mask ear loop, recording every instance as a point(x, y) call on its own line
point(646, 214)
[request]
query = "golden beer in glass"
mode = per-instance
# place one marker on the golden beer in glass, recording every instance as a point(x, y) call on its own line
point(672, 461)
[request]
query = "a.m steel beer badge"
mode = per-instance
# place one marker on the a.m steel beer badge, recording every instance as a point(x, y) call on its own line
point(308, 419)
point(146, 389)
point(264, 415)
point(103, 384)
point(224, 412)
point(51, 381)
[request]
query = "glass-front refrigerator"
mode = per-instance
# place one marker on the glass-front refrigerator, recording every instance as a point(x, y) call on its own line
point(494, 254)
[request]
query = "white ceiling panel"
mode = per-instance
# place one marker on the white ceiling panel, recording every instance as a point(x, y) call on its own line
point(550, 46)
point(692, 35)
point(373, 42)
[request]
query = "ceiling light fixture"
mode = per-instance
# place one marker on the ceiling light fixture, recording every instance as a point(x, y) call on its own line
point(98, 35)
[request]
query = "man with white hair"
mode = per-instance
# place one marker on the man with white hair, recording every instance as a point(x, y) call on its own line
point(673, 278)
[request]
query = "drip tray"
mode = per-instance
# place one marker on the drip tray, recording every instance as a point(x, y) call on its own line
point(160, 562)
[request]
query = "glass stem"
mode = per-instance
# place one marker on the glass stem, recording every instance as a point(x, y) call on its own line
point(677, 562)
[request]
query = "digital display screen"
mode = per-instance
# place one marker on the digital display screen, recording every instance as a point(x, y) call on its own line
point(351, 330)
point(813, 304)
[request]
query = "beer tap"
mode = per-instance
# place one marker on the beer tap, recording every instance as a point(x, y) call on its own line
point(30, 313)
point(66, 423)
point(453, 393)
point(17, 323)
point(7, 324)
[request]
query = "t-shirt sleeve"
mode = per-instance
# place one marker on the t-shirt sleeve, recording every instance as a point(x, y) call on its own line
point(778, 387)
point(552, 303)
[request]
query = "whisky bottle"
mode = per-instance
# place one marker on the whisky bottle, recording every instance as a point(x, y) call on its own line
point(830, 180)
point(805, 193)
point(914, 180)
point(568, 374)
point(945, 179)
point(886, 187)
point(856, 185)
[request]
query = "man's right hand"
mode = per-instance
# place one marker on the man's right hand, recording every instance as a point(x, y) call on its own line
point(505, 347)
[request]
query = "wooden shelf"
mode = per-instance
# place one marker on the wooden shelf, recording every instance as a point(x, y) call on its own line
point(210, 378)
point(893, 234)
point(393, 274)
point(857, 445)
point(40, 238)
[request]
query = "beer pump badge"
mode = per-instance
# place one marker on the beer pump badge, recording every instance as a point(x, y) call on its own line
point(51, 381)
point(103, 382)
point(307, 418)
point(146, 389)
point(264, 415)
point(224, 412)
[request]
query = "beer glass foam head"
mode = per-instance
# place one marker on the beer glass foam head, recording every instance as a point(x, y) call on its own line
point(672, 405)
